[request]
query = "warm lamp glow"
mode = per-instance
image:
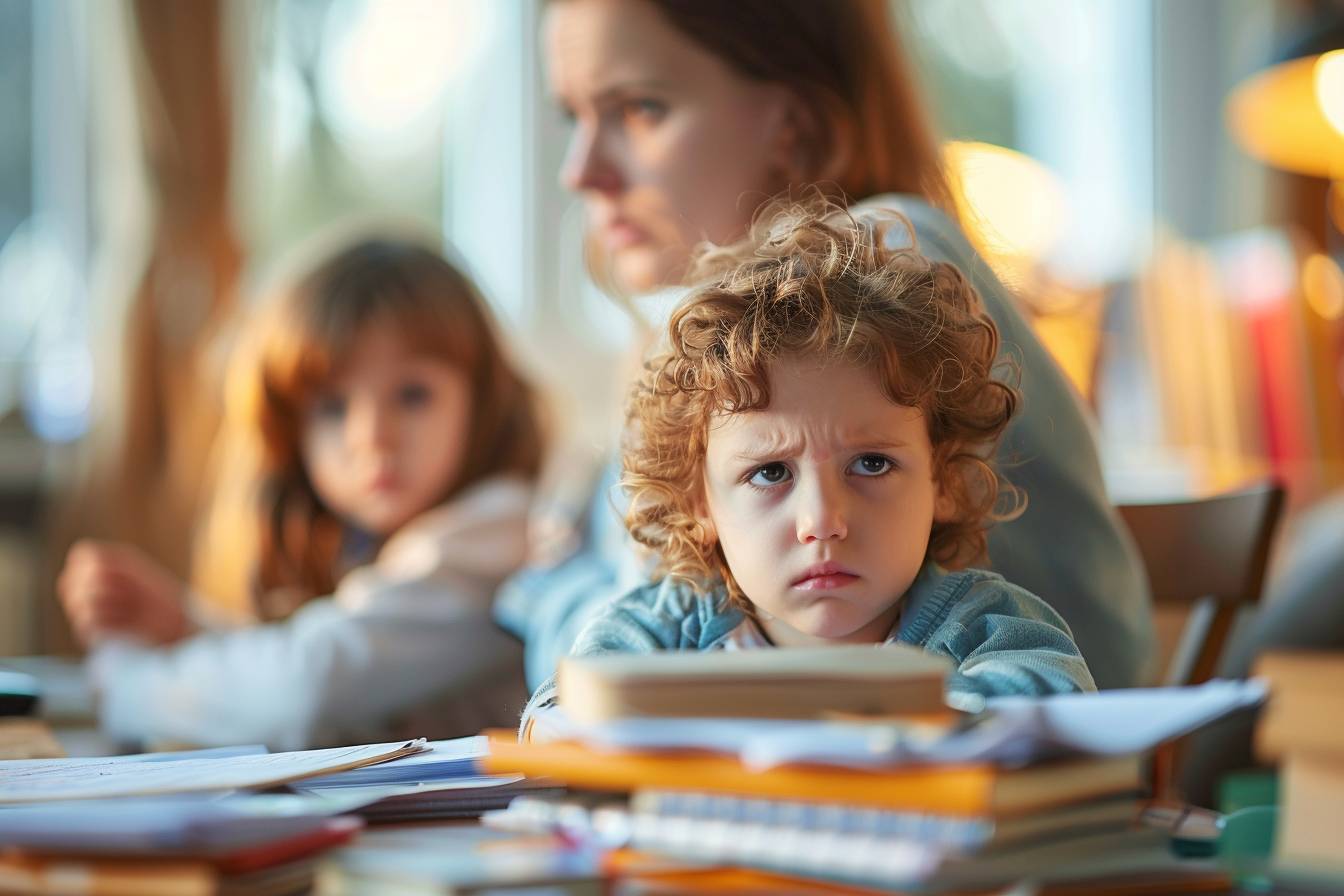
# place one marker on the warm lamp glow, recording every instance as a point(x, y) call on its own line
point(1330, 88)
point(1011, 204)
point(1277, 116)
point(1323, 286)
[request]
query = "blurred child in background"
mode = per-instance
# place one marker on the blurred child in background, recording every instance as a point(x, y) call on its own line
point(387, 451)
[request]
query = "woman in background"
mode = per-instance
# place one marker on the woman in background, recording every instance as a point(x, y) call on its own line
point(389, 451)
point(687, 115)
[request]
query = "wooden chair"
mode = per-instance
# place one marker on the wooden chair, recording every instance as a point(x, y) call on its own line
point(1206, 562)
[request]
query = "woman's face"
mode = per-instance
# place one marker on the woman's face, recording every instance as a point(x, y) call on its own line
point(670, 146)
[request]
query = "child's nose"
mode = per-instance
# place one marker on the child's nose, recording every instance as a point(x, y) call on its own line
point(371, 426)
point(822, 515)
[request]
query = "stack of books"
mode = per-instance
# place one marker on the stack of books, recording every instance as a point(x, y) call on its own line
point(693, 789)
point(1300, 730)
point(197, 822)
point(188, 823)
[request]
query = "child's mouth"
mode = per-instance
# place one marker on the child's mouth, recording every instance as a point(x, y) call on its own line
point(824, 577)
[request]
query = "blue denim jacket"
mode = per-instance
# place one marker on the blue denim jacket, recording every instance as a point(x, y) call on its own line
point(1002, 638)
point(1068, 547)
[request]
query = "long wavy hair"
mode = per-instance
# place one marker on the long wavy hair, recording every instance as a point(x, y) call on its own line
point(812, 281)
point(292, 351)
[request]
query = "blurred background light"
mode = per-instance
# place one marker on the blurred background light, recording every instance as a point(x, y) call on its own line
point(1323, 286)
point(1277, 116)
point(58, 392)
point(388, 65)
point(1013, 206)
point(1330, 88)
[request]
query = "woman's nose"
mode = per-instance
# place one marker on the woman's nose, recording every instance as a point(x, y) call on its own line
point(588, 167)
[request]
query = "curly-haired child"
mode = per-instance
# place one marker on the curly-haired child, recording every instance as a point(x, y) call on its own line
point(808, 459)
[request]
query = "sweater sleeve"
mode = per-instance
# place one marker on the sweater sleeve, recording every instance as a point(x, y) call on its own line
point(394, 635)
point(1005, 640)
point(291, 685)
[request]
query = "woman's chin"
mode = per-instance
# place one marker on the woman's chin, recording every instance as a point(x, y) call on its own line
point(644, 269)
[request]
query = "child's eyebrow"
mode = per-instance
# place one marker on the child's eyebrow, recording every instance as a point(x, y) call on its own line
point(879, 444)
point(770, 447)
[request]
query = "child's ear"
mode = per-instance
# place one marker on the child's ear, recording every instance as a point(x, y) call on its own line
point(700, 509)
point(944, 504)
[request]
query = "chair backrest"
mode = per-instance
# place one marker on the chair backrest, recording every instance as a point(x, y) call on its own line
point(1207, 556)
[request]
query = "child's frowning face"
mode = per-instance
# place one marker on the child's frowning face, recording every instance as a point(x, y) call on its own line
point(384, 441)
point(823, 503)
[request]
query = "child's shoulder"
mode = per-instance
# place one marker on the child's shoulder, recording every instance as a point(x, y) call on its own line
point(478, 535)
point(961, 596)
point(667, 614)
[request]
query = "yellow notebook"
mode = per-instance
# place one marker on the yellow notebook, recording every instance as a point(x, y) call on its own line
point(968, 790)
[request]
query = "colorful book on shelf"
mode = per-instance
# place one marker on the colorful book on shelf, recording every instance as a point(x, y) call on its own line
point(967, 790)
point(812, 682)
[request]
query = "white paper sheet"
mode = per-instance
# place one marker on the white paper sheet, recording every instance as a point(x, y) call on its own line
point(440, 760)
point(35, 780)
point(1015, 730)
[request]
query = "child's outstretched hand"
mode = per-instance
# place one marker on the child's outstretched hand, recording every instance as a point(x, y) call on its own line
point(115, 589)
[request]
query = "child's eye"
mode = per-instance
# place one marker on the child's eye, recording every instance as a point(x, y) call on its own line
point(871, 465)
point(413, 395)
point(643, 109)
point(329, 407)
point(769, 475)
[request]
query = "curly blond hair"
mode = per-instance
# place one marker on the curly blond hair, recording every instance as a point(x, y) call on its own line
point(811, 280)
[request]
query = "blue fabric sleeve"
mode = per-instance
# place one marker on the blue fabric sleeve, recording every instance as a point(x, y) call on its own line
point(1006, 640)
point(547, 607)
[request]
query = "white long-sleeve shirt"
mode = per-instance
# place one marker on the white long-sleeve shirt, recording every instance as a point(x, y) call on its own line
point(406, 645)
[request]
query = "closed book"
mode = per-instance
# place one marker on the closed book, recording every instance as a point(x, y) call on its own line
point(730, 817)
point(953, 790)
point(906, 863)
point(1308, 834)
point(1304, 702)
point(789, 683)
point(149, 877)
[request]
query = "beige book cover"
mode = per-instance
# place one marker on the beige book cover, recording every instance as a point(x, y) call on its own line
point(788, 682)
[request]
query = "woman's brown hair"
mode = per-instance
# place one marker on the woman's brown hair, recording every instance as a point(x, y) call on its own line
point(844, 62)
point(293, 351)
